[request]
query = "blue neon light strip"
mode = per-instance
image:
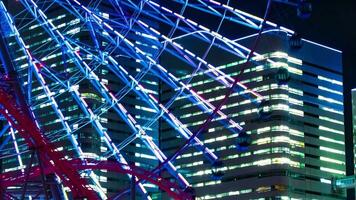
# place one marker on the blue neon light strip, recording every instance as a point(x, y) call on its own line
point(207, 105)
point(34, 63)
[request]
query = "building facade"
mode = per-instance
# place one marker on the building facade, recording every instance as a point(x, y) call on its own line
point(297, 137)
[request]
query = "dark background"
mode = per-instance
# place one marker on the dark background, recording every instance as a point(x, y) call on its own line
point(333, 23)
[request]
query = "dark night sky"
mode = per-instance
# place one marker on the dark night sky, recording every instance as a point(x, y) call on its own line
point(332, 23)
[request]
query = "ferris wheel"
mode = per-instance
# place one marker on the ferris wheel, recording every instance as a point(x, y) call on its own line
point(86, 85)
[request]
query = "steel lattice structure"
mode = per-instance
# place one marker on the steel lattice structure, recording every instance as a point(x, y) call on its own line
point(129, 40)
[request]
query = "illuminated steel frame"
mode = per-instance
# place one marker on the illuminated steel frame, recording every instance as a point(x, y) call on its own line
point(21, 118)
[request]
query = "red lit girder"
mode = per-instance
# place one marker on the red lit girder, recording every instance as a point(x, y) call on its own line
point(55, 162)
point(20, 119)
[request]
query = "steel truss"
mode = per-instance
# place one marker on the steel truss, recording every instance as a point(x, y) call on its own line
point(117, 30)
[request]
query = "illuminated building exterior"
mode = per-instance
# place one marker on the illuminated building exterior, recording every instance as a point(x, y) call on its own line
point(295, 150)
point(297, 136)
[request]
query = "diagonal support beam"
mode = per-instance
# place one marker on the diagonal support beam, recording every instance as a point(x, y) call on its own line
point(103, 90)
point(28, 169)
point(43, 175)
point(34, 67)
point(169, 76)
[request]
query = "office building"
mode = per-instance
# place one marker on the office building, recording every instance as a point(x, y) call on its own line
point(297, 136)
